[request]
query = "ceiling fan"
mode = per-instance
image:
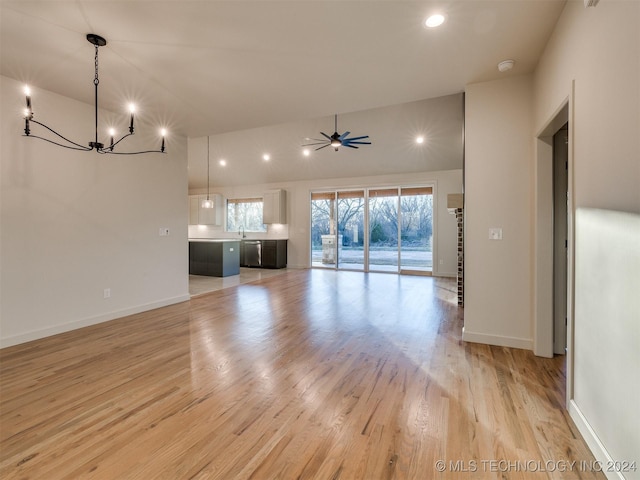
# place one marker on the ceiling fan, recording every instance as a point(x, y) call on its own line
point(337, 140)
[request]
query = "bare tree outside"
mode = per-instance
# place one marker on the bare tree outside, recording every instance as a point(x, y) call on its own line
point(245, 215)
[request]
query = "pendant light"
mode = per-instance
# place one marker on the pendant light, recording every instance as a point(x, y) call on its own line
point(208, 203)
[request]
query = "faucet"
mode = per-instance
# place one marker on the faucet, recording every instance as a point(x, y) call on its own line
point(243, 235)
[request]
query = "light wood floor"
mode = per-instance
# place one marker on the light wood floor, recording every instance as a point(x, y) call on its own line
point(306, 375)
point(199, 284)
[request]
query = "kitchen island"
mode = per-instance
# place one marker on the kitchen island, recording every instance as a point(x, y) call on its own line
point(214, 257)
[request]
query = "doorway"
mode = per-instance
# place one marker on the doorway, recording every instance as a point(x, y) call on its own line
point(544, 305)
point(560, 238)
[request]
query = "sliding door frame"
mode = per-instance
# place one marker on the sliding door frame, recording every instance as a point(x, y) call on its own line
point(334, 192)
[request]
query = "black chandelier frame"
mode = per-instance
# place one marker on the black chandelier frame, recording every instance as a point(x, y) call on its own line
point(96, 145)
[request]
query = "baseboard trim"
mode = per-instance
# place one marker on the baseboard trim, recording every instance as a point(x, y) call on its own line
point(445, 275)
point(86, 322)
point(593, 442)
point(498, 340)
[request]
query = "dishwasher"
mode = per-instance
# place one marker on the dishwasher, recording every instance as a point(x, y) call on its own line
point(253, 253)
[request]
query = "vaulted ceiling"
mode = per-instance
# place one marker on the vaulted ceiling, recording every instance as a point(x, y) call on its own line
point(209, 67)
point(263, 75)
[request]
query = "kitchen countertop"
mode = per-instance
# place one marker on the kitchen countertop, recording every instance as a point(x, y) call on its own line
point(214, 240)
point(232, 239)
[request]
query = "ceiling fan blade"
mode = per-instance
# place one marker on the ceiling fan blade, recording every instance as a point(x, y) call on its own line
point(356, 138)
point(321, 142)
point(347, 145)
point(344, 135)
point(324, 146)
point(328, 137)
point(357, 143)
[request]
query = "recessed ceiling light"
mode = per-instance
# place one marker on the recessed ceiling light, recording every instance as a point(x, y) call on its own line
point(223, 162)
point(506, 65)
point(266, 157)
point(434, 20)
point(306, 152)
point(420, 139)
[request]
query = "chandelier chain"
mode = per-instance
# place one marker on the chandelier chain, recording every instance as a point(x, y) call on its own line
point(96, 80)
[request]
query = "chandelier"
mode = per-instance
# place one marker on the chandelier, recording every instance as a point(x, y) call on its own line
point(99, 147)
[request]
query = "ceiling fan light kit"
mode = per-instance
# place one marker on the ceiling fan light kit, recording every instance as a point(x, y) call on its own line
point(338, 140)
point(97, 41)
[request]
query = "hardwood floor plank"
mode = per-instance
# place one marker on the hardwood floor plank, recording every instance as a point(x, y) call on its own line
point(310, 374)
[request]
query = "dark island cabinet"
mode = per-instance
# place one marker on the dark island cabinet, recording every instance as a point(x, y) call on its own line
point(214, 258)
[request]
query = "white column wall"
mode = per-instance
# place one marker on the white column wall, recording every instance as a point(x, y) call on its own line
point(498, 149)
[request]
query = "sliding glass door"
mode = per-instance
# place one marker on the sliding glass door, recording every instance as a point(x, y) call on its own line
point(376, 229)
point(324, 251)
point(383, 230)
point(351, 230)
point(416, 229)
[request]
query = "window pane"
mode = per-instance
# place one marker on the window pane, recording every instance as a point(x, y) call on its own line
point(416, 211)
point(383, 230)
point(351, 230)
point(245, 214)
point(323, 237)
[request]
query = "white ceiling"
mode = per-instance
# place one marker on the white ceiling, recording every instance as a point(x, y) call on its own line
point(213, 67)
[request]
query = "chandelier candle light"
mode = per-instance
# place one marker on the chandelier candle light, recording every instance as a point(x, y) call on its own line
point(97, 41)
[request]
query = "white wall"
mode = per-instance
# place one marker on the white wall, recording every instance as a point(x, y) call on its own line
point(297, 229)
point(598, 51)
point(498, 148)
point(74, 223)
point(607, 334)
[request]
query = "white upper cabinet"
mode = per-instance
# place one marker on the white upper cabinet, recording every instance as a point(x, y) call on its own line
point(274, 208)
point(206, 216)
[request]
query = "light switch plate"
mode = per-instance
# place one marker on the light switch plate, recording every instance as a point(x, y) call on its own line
point(495, 233)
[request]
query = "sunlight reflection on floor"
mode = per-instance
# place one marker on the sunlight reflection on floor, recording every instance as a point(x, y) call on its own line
point(200, 284)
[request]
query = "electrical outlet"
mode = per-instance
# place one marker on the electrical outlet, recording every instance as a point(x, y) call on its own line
point(441, 262)
point(495, 233)
point(164, 232)
point(107, 292)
